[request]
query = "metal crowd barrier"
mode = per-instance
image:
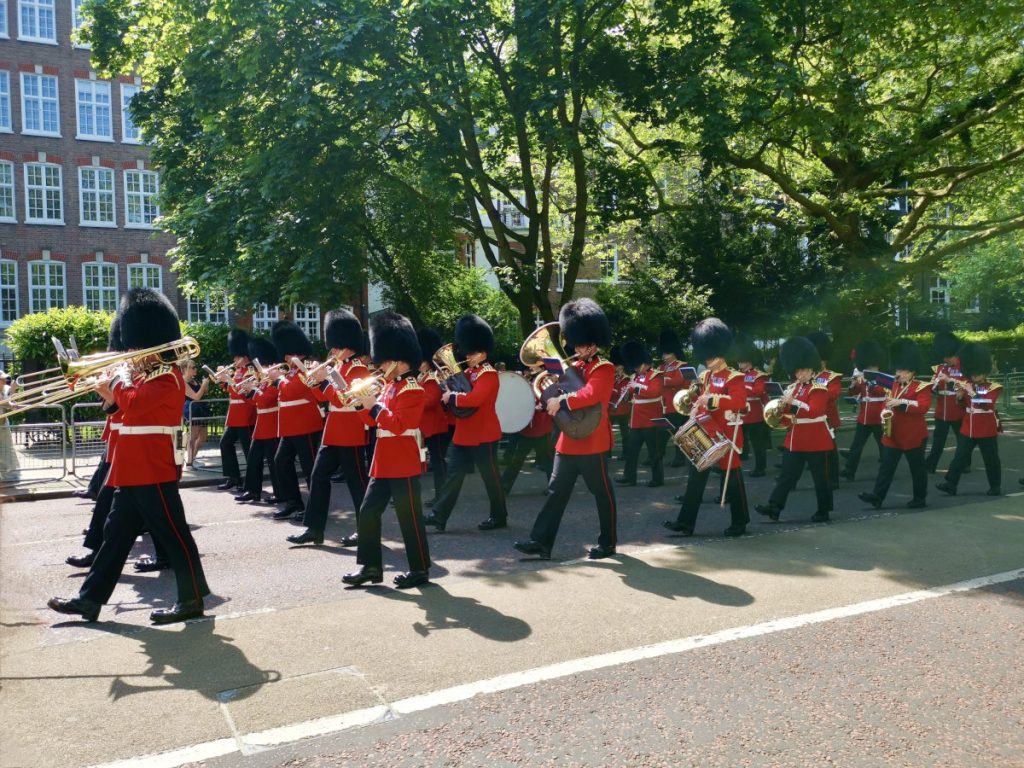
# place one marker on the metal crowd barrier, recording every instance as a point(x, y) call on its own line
point(208, 455)
point(34, 452)
point(85, 431)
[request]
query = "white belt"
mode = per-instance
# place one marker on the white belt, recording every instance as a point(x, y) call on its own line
point(262, 411)
point(753, 399)
point(237, 402)
point(873, 399)
point(648, 400)
point(979, 410)
point(290, 403)
point(126, 430)
point(815, 420)
point(115, 426)
point(339, 409)
point(946, 394)
point(408, 433)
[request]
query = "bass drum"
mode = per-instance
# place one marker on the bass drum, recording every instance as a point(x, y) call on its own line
point(515, 404)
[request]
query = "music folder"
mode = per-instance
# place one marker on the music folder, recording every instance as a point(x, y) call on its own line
point(880, 379)
point(689, 373)
point(554, 365)
point(773, 389)
point(665, 423)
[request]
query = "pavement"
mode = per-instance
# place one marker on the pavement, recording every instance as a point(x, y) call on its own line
point(800, 644)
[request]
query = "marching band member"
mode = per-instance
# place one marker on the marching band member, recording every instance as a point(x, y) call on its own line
point(299, 421)
point(345, 437)
point(145, 468)
point(435, 424)
point(867, 356)
point(809, 440)
point(619, 406)
point(585, 328)
point(646, 387)
point(834, 383)
point(948, 413)
point(722, 400)
point(536, 437)
point(398, 460)
point(906, 406)
point(980, 427)
point(263, 447)
point(476, 436)
point(669, 348)
point(756, 434)
point(241, 412)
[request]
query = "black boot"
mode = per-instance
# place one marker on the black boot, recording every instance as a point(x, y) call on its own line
point(229, 483)
point(190, 609)
point(75, 606)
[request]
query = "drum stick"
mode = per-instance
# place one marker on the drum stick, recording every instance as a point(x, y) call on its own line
point(728, 469)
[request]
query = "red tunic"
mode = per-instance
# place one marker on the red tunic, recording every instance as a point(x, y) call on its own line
point(397, 417)
point(599, 375)
point(909, 428)
point(980, 417)
point(299, 413)
point(618, 387)
point(482, 426)
point(810, 430)
point(344, 424)
point(726, 403)
point(870, 401)
point(834, 383)
point(672, 382)
point(947, 400)
point(754, 382)
point(112, 429)
point(435, 417)
point(241, 410)
point(150, 409)
point(648, 388)
point(265, 400)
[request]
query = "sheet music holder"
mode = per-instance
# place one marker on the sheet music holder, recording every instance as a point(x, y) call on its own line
point(688, 372)
point(774, 389)
point(554, 365)
point(661, 421)
point(879, 379)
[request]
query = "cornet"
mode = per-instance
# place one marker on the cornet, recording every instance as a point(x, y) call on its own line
point(223, 375)
point(371, 386)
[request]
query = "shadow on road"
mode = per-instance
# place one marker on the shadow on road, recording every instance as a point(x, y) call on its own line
point(671, 583)
point(442, 610)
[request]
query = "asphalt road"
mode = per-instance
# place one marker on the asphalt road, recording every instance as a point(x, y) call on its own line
point(288, 646)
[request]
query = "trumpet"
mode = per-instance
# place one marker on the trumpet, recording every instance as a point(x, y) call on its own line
point(316, 373)
point(223, 375)
point(775, 415)
point(80, 375)
point(371, 386)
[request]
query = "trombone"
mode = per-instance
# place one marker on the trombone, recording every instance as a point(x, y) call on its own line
point(80, 375)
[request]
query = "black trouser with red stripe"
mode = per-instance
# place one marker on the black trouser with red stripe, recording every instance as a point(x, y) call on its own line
point(100, 512)
point(406, 493)
point(99, 476)
point(792, 467)
point(939, 433)
point(485, 456)
point(594, 469)
point(622, 422)
point(437, 446)
point(757, 437)
point(228, 456)
point(351, 460)
point(989, 448)
point(304, 447)
point(735, 494)
point(157, 508)
point(543, 449)
point(887, 470)
point(654, 438)
point(261, 452)
point(860, 438)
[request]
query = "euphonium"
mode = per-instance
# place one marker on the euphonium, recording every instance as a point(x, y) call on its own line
point(775, 410)
point(683, 400)
point(453, 377)
point(445, 361)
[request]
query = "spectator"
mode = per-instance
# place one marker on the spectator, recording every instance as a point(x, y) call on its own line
point(195, 411)
point(8, 457)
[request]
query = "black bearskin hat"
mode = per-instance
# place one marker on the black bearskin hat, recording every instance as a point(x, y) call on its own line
point(473, 334)
point(634, 354)
point(798, 352)
point(261, 349)
point(238, 343)
point(289, 339)
point(392, 338)
point(584, 322)
point(975, 359)
point(945, 344)
point(746, 351)
point(430, 342)
point(615, 355)
point(147, 319)
point(822, 343)
point(710, 339)
point(114, 343)
point(365, 348)
point(342, 330)
point(869, 354)
point(905, 355)
point(668, 343)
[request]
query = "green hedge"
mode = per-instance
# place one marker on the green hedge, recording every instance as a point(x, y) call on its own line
point(1007, 347)
point(29, 337)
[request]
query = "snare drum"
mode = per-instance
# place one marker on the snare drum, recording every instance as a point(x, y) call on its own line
point(701, 447)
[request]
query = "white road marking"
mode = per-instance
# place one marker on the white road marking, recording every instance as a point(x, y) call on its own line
point(362, 717)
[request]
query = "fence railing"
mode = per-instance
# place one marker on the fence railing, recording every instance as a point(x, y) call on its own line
point(36, 452)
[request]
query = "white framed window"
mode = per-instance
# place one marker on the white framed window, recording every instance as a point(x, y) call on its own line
point(39, 111)
point(307, 317)
point(938, 293)
point(130, 133)
point(76, 14)
point(3, 20)
point(560, 276)
point(8, 292)
point(469, 253)
point(145, 276)
point(44, 195)
point(96, 197)
point(208, 309)
point(7, 191)
point(36, 21)
point(263, 316)
point(6, 123)
point(99, 286)
point(46, 286)
point(610, 265)
point(140, 206)
point(92, 98)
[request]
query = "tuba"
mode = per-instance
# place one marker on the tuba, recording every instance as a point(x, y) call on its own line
point(453, 377)
point(542, 344)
